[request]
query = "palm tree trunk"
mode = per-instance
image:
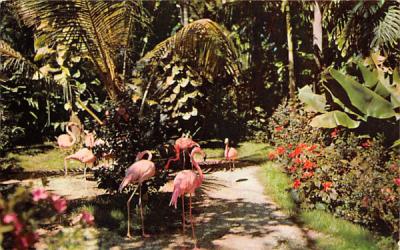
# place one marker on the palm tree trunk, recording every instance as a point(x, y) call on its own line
point(184, 12)
point(317, 39)
point(292, 81)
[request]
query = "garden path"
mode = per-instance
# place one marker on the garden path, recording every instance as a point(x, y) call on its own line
point(231, 212)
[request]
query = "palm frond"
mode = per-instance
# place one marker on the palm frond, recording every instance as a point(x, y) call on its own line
point(12, 60)
point(204, 45)
point(387, 32)
point(98, 29)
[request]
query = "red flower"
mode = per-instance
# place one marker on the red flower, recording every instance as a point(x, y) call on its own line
point(327, 185)
point(334, 133)
point(60, 204)
point(308, 165)
point(279, 129)
point(302, 145)
point(397, 181)
point(271, 156)
point(366, 144)
point(292, 169)
point(13, 218)
point(296, 184)
point(307, 175)
point(87, 218)
point(298, 160)
point(39, 194)
point(312, 148)
point(280, 150)
point(290, 146)
point(297, 151)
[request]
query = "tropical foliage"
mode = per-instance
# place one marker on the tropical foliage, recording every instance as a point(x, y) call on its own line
point(349, 174)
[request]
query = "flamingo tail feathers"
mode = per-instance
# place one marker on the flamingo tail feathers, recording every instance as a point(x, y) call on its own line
point(124, 182)
point(174, 199)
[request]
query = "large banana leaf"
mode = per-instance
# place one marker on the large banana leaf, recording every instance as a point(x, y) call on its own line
point(364, 99)
point(333, 119)
point(313, 102)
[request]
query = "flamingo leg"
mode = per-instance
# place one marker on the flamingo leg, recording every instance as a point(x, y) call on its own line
point(177, 150)
point(84, 172)
point(184, 159)
point(183, 213)
point(128, 234)
point(65, 166)
point(191, 220)
point(141, 211)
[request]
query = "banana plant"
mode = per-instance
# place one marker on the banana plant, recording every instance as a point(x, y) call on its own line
point(378, 96)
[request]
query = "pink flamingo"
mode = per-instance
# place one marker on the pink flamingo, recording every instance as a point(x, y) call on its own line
point(182, 144)
point(138, 172)
point(231, 154)
point(186, 181)
point(66, 141)
point(89, 139)
point(83, 155)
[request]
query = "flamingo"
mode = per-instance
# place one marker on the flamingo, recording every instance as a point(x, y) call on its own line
point(138, 172)
point(107, 156)
point(66, 141)
point(186, 181)
point(83, 155)
point(89, 139)
point(231, 154)
point(182, 144)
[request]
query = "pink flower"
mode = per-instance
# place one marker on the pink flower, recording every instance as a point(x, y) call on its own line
point(292, 169)
point(39, 194)
point(307, 175)
point(13, 218)
point(60, 204)
point(366, 144)
point(397, 181)
point(87, 218)
point(334, 133)
point(298, 160)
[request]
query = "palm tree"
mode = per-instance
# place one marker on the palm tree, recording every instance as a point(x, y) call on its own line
point(292, 80)
point(204, 47)
point(98, 30)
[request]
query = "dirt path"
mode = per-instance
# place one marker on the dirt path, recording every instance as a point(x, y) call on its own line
point(231, 212)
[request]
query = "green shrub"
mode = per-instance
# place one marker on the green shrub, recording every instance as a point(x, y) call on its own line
point(125, 134)
point(353, 176)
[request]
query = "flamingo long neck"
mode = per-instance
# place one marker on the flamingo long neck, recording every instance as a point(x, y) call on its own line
point(143, 153)
point(226, 150)
point(196, 165)
point(69, 132)
point(149, 155)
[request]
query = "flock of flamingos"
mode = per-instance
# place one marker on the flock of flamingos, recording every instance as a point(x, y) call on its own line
point(185, 182)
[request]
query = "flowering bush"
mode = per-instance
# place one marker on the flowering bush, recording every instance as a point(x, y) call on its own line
point(353, 176)
point(22, 212)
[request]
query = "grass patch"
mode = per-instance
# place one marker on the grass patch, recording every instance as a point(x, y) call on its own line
point(339, 234)
point(50, 159)
point(248, 151)
point(276, 184)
